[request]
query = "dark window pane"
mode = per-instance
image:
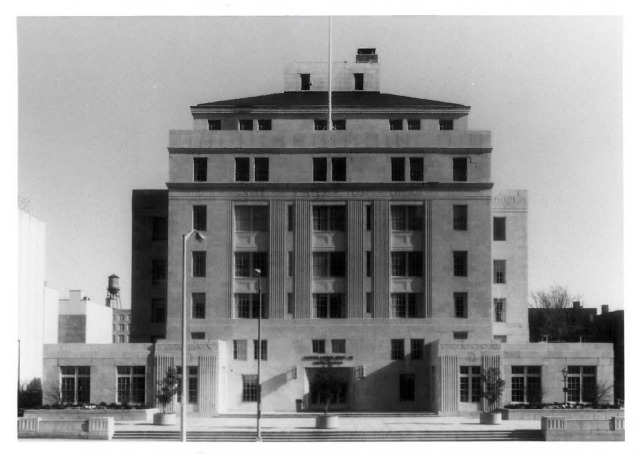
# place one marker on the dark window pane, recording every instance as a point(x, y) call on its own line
point(199, 169)
point(499, 229)
point(416, 169)
point(319, 169)
point(261, 169)
point(339, 169)
point(358, 81)
point(397, 169)
point(459, 169)
point(242, 169)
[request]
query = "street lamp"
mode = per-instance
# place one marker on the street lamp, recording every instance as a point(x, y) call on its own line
point(258, 273)
point(183, 406)
point(565, 373)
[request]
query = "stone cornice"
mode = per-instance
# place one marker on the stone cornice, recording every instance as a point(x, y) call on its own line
point(323, 110)
point(314, 151)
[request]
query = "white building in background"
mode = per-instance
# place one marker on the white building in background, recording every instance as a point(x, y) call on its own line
point(81, 320)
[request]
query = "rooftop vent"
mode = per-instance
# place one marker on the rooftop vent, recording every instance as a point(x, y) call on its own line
point(366, 55)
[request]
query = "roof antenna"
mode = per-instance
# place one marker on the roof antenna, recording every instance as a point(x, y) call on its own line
point(330, 122)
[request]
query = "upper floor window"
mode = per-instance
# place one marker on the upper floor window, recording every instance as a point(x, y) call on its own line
point(319, 169)
point(500, 309)
point(406, 264)
point(199, 169)
point(413, 125)
point(264, 125)
point(245, 125)
point(395, 125)
point(328, 218)
point(460, 304)
point(158, 310)
point(320, 125)
point(328, 264)
point(338, 346)
point(198, 335)
point(305, 82)
point(214, 125)
point(261, 169)
point(358, 81)
point(339, 169)
point(406, 217)
point(405, 305)
point(397, 169)
point(459, 169)
point(460, 217)
point(499, 271)
point(247, 305)
point(397, 349)
point(200, 217)
point(460, 263)
point(339, 125)
point(247, 262)
point(263, 349)
point(252, 218)
point(240, 349)
point(328, 305)
point(417, 347)
point(368, 216)
point(199, 264)
point(499, 229)
point(318, 346)
point(416, 169)
point(242, 169)
point(446, 125)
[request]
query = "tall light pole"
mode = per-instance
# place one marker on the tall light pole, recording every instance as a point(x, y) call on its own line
point(185, 371)
point(258, 273)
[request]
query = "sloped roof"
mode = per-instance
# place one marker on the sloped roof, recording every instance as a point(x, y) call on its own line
point(310, 99)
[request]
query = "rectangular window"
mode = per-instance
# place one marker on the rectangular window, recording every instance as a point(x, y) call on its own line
point(199, 335)
point(264, 125)
point(416, 169)
point(130, 383)
point(413, 125)
point(249, 388)
point(328, 264)
point(338, 346)
point(397, 349)
point(159, 228)
point(247, 305)
point(368, 217)
point(501, 338)
point(339, 169)
point(200, 217)
point(290, 263)
point(247, 262)
point(75, 384)
point(395, 125)
point(158, 270)
point(240, 350)
point(581, 383)
point(499, 229)
point(199, 264)
point(406, 218)
point(198, 304)
point(320, 125)
point(305, 82)
point(317, 346)
point(459, 169)
point(470, 384)
point(290, 218)
point(263, 350)
point(199, 169)
point(158, 310)
point(407, 387)
point(290, 303)
point(328, 305)
point(245, 125)
point(243, 169)
point(328, 218)
point(446, 125)
point(460, 263)
point(460, 304)
point(406, 305)
point(526, 384)
point(397, 169)
point(193, 384)
point(460, 217)
point(358, 81)
point(461, 335)
point(368, 264)
point(369, 303)
point(319, 169)
point(417, 347)
point(499, 271)
point(214, 125)
point(252, 218)
point(406, 264)
point(261, 169)
point(339, 125)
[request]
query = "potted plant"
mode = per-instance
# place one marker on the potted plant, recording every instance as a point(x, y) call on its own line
point(167, 389)
point(327, 388)
point(492, 386)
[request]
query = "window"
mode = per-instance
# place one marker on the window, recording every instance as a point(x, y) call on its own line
point(197, 336)
point(459, 217)
point(252, 218)
point(526, 384)
point(305, 82)
point(245, 125)
point(199, 169)
point(460, 263)
point(242, 169)
point(130, 384)
point(500, 337)
point(240, 350)
point(328, 305)
point(581, 383)
point(320, 125)
point(406, 305)
point(499, 271)
point(338, 346)
point(192, 384)
point(358, 81)
point(368, 217)
point(158, 270)
point(460, 335)
point(121, 327)
point(198, 303)
point(317, 346)
point(158, 310)
point(328, 264)
point(290, 218)
point(339, 125)
point(413, 125)
point(328, 218)
point(247, 262)
point(417, 347)
point(214, 125)
point(416, 169)
point(319, 169)
point(75, 384)
point(199, 263)
point(406, 218)
point(159, 228)
point(290, 263)
point(397, 169)
point(470, 384)
point(460, 304)
point(395, 125)
point(407, 387)
point(397, 349)
point(339, 169)
point(261, 167)
point(120, 339)
point(290, 303)
point(263, 350)
point(369, 303)
point(264, 125)
point(249, 388)
point(446, 125)
point(368, 264)
point(406, 264)
point(499, 229)
point(200, 217)
point(248, 305)
point(459, 169)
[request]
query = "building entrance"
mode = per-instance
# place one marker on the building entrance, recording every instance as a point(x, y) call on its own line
point(328, 384)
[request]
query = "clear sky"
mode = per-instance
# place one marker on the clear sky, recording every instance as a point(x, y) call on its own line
point(98, 96)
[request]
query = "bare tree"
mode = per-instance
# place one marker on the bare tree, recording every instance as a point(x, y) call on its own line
point(556, 297)
point(554, 318)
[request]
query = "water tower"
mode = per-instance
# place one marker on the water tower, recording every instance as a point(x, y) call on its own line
point(113, 292)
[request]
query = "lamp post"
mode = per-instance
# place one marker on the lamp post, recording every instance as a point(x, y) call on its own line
point(183, 379)
point(258, 273)
point(565, 373)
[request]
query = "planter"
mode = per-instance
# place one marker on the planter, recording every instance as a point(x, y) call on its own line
point(76, 414)
point(327, 422)
point(164, 419)
point(490, 418)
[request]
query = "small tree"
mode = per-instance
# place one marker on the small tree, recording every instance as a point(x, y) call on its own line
point(168, 388)
point(492, 386)
point(599, 394)
point(327, 386)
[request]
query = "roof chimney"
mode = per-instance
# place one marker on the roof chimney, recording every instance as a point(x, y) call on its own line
point(605, 309)
point(576, 304)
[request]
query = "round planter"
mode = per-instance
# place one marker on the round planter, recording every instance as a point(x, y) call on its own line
point(327, 422)
point(490, 418)
point(164, 419)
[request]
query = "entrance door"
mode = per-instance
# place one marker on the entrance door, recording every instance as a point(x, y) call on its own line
point(329, 384)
